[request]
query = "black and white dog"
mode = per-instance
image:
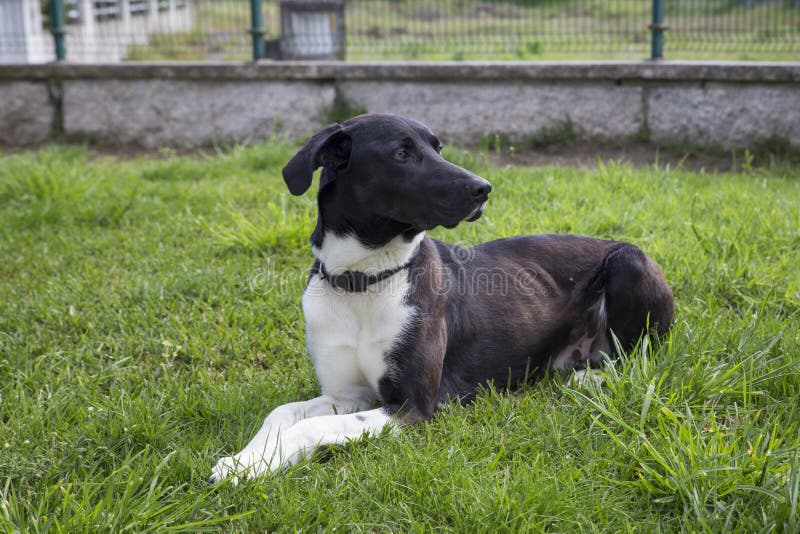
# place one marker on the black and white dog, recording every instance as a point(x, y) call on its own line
point(398, 320)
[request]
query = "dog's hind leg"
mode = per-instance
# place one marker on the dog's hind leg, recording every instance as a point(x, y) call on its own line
point(589, 343)
point(636, 295)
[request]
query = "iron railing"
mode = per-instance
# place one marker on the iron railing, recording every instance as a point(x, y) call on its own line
point(410, 29)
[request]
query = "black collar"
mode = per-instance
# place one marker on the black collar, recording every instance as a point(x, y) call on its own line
point(357, 281)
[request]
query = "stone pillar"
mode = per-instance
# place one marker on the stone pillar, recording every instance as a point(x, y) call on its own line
point(22, 37)
point(125, 19)
point(172, 16)
point(152, 17)
point(87, 49)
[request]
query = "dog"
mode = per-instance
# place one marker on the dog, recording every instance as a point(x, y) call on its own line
point(398, 324)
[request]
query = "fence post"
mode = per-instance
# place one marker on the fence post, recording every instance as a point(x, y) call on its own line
point(57, 28)
point(257, 29)
point(657, 28)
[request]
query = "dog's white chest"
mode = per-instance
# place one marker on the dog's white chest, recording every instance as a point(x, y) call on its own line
point(348, 335)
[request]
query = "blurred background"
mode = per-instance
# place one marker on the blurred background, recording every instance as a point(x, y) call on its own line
point(358, 30)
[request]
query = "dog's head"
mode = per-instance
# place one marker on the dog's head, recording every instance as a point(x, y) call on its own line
point(390, 167)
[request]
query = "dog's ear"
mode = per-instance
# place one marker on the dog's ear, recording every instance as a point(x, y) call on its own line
point(329, 148)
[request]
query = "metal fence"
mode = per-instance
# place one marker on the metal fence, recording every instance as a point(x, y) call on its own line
point(113, 30)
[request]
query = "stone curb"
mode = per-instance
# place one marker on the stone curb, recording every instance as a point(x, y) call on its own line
point(679, 71)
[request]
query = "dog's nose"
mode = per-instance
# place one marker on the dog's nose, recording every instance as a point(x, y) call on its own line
point(481, 189)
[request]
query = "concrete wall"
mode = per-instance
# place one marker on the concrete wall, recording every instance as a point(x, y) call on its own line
point(714, 104)
point(27, 114)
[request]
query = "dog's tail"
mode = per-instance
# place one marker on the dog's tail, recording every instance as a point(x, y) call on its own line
point(635, 296)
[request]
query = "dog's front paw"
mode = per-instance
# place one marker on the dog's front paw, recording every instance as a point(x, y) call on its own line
point(225, 468)
point(243, 465)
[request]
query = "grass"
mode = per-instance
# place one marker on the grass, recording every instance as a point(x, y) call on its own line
point(151, 318)
point(456, 30)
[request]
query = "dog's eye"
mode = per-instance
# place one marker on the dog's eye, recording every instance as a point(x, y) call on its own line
point(401, 155)
point(439, 148)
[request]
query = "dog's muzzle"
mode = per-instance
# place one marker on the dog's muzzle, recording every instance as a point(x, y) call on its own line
point(479, 190)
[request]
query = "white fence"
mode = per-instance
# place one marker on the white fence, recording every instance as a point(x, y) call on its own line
point(97, 30)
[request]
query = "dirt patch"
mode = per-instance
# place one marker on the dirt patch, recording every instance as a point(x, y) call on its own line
point(638, 155)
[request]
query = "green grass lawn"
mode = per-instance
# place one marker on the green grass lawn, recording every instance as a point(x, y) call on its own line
point(150, 318)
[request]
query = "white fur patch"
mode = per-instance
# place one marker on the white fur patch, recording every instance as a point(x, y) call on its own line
point(349, 334)
point(347, 253)
point(599, 311)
